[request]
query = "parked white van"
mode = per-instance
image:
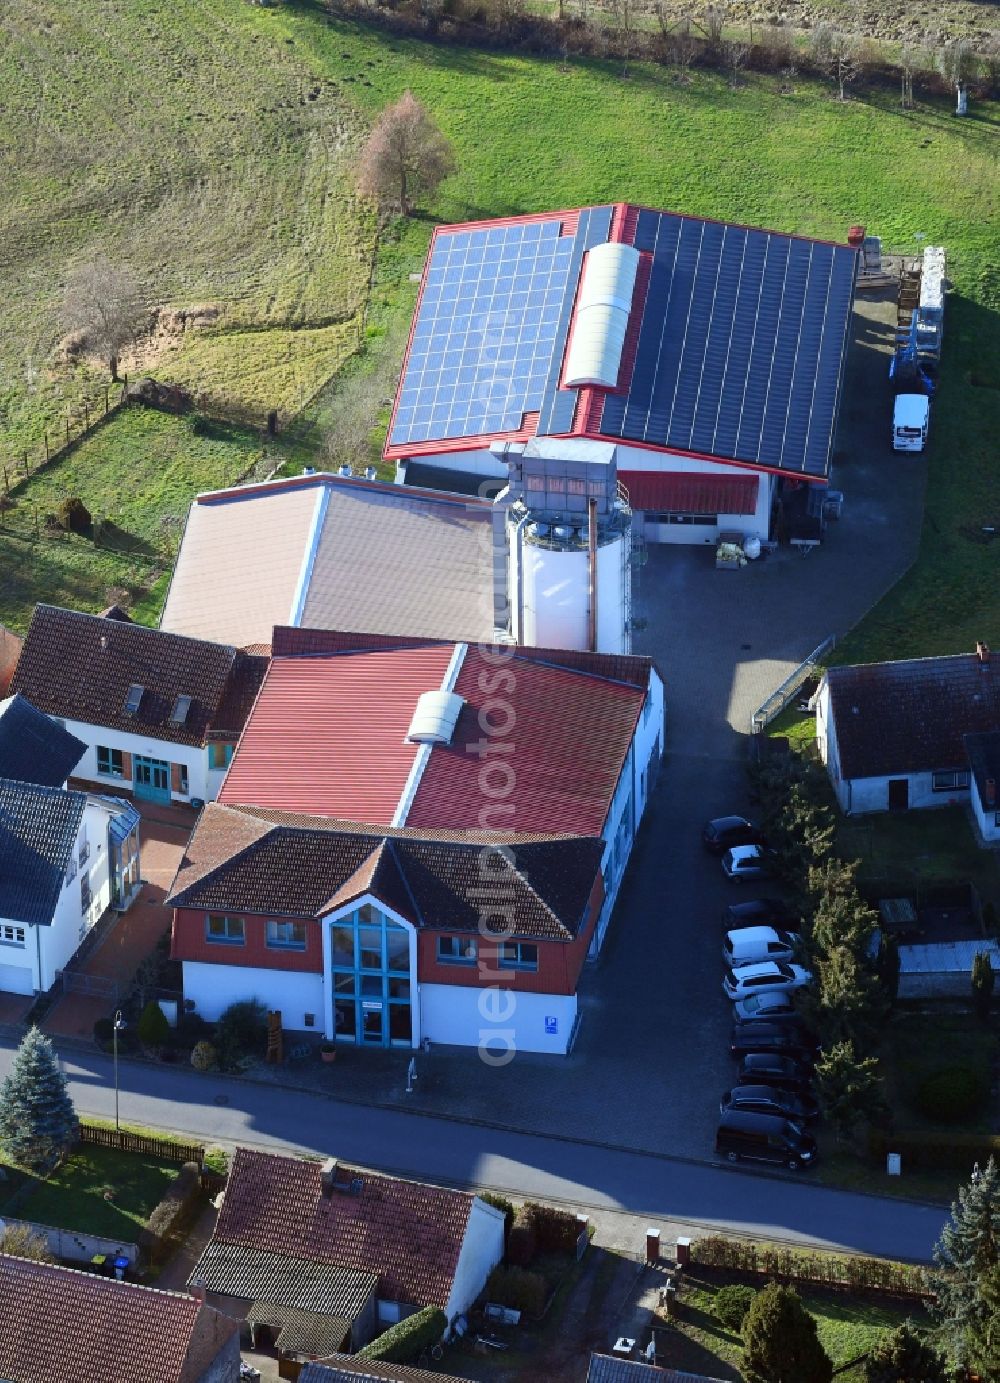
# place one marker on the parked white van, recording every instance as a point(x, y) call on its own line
point(910, 417)
point(749, 945)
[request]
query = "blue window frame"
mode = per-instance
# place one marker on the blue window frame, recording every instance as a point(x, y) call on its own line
point(517, 955)
point(110, 762)
point(370, 961)
point(286, 936)
point(457, 950)
point(225, 930)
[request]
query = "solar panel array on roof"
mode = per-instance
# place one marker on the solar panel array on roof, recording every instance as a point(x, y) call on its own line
point(741, 344)
point(490, 313)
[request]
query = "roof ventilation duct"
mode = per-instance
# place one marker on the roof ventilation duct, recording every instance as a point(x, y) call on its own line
point(602, 313)
point(435, 718)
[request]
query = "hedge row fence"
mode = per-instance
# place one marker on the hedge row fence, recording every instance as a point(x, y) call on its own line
point(773, 1262)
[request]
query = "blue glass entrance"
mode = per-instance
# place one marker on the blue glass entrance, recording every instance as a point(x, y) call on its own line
point(151, 779)
point(370, 964)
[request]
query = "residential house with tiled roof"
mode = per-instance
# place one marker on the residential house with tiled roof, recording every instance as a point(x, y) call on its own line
point(408, 824)
point(60, 1324)
point(921, 732)
point(159, 714)
point(314, 1253)
point(607, 1368)
point(65, 858)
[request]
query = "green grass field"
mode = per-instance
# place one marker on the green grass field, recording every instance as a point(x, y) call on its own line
point(73, 1196)
point(225, 179)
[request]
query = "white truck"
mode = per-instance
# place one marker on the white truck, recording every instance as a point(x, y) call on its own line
point(910, 419)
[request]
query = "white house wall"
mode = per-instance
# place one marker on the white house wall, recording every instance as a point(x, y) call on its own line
point(986, 820)
point(657, 463)
point(202, 782)
point(510, 1019)
point(482, 1249)
point(872, 794)
point(49, 949)
point(293, 992)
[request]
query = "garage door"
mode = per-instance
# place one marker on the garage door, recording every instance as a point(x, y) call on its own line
point(16, 979)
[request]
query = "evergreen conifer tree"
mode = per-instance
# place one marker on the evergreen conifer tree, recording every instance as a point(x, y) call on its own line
point(780, 1344)
point(967, 1258)
point(37, 1120)
point(904, 1357)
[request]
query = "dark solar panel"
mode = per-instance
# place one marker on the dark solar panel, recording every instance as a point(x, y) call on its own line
point(492, 317)
point(741, 345)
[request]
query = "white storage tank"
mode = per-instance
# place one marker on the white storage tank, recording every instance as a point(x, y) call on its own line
point(550, 588)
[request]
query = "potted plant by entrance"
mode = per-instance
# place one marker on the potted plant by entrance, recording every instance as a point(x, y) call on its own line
point(328, 1051)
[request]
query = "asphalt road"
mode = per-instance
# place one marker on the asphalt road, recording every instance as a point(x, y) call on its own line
point(651, 1188)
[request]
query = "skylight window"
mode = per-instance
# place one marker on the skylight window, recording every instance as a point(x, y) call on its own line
point(134, 698)
point(179, 714)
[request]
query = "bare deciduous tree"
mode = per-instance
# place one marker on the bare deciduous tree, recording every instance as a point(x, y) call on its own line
point(737, 51)
point(958, 63)
point(105, 305)
point(712, 21)
point(404, 155)
point(624, 12)
point(838, 54)
point(909, 63)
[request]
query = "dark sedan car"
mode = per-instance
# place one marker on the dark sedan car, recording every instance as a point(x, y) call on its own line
point(765, 1099)
point(773, 1069)
point(785, 1039)
point(759, 912)
point(724, 832)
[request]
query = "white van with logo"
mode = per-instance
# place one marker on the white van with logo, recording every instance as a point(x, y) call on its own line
point(910, 417)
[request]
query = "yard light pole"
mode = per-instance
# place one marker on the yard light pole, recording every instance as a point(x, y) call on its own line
point(119, 1026)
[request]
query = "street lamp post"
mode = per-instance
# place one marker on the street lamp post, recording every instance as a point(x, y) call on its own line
point(118, 1027)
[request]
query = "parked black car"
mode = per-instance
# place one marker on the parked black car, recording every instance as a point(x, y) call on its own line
point(764, 1138)
point(785, 1039)
point(765, 1099)
point(759, 912)
point(724, 832)
point(773, 1069)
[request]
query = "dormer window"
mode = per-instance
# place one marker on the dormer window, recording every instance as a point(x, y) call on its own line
point(134, 699)
point(179, 713)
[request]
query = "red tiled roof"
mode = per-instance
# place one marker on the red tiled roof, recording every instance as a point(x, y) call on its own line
point(58, 1325)
point(408, 1233)
point(327, 736)
point(569, 737)
point(691, 492)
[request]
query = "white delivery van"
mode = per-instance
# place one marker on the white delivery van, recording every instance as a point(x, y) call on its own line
point(910, 416)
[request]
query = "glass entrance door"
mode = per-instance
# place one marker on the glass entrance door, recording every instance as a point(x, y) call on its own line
point(151, 779)
point(372, 1024)
point(370, 960)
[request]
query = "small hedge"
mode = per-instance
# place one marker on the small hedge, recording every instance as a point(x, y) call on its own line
point(952, 1096)
point(731, 1305)
point(522, 1245)
point(556, 1231)
point(934, 1151)
point(516, 1287)
point(174, 1215)
point(502, 1204)
point(402, 1342)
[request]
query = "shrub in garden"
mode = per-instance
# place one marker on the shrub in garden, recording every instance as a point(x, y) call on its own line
point(951, 1096)
point(241, 1032)
point(403, 1342)
point(173, 1216)
point(38, 1123)
point(556, 1231)
point(519, 1289)
point(522, 1244)
point(154, 1030)
point(204, 1057)
point(780, 1344)
point(502, 1204)
point(21, 1241)
point(731, 1305)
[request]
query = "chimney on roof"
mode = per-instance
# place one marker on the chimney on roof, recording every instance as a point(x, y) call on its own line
point(371, 472)
point(983, 653)
point(328, 1175)
point(990, 792)
point(344, 470)
point(197, 1289)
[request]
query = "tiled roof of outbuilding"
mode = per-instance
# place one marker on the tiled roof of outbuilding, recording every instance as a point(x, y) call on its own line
point(74, 1327)
point(239, 1270)
point(911, 716)
point(348, 1368)
point(242, 861)
point(407, 1233)
point(81, 667)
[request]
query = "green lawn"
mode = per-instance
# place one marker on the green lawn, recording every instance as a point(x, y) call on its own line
point(911, 850)
point(847, 1326)
point(140, 471)
point(73, 1197)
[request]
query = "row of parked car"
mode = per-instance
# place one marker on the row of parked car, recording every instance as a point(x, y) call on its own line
point(764, 1116)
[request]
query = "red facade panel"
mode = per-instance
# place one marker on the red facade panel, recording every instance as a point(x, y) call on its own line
point(691, 492)
point(189, 942)
point(327, 736)
point(537, 748)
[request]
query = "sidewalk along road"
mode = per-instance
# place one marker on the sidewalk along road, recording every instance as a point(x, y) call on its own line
point(655, 1189)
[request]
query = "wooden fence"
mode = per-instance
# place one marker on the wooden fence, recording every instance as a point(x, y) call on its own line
point(15, 470)
point(125, 1141)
